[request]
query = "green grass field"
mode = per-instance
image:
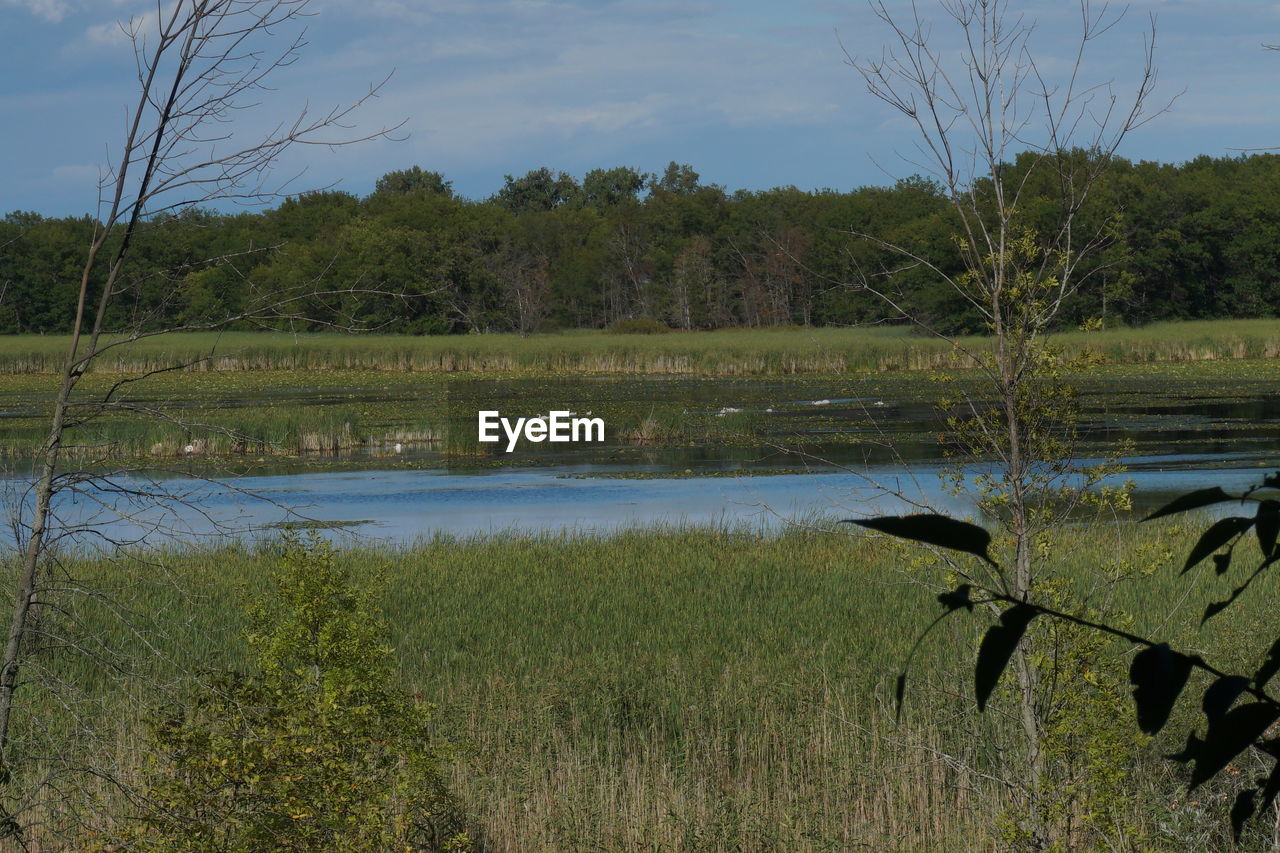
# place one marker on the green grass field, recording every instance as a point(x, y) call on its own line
point(704, 689)
point(743, 352)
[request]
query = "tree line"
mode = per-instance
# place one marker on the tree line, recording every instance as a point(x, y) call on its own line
point(1190, 241)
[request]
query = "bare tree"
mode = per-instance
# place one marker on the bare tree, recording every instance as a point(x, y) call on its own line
point(993, 127)
point(200, 65)
point(528, 286)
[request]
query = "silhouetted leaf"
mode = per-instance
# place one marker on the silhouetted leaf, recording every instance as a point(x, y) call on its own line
point(997, 647)
point(1158, 675)
point(932, 530)
point(1192, 500)
point(1221, 695)
point(1215, 537)
point(1272, 788)
point(1190, 751)
point(1230, 735)
point(1222, 562)
point(1215, 608)
point(1242, 810)
point(956, 598)
point(1269, 667)
point(899, 692)
point(1268, 526)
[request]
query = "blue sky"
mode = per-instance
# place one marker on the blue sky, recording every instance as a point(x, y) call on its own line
point(753, 93)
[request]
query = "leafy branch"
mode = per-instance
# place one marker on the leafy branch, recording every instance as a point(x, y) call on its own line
point(1239, 711)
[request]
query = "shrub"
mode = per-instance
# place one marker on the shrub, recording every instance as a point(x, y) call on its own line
point(313, 750)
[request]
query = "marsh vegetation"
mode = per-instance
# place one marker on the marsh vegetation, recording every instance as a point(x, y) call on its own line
point(711, 688)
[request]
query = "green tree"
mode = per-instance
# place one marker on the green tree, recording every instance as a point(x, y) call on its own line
point(606, 188)
point(539, 190)
point(677, 179)
point(412, 180)
point(1023, 261)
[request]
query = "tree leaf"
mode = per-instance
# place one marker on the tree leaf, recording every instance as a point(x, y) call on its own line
point(1272, 788)
point(1230, 735)
point(1242, 810)
point(1221, 695)
point(1270, 666)
point(956, 598)
point(1192, 500)
point(1222, 562)
point(1190, 751)
point(997, 647)
point(1268, 526)
point(1158, 675)
point(1215, 537)
point(899, 692)
point(932, 530)
point(1214, 608)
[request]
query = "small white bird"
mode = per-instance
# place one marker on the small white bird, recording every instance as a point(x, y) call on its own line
point(822, 402)
point(879, 402)
point(191, 448)
point(398, 447)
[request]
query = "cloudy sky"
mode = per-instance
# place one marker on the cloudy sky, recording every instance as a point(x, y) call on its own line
point(752, 93)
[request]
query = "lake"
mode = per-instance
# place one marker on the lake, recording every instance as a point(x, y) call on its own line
point(810, 449)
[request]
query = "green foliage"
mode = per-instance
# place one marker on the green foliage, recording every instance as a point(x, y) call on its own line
point(1182, 242)
point(314, 749)
point(1239, 712)
point(1090, 745)
point(677, 179)
point(606, 188)
point(538, 191)
point(413, 180)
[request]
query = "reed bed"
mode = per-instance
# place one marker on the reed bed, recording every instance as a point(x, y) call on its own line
point(692, 689)
point(213, 434)
point(738, 352)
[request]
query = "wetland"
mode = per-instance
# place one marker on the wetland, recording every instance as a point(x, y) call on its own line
point(392, 455)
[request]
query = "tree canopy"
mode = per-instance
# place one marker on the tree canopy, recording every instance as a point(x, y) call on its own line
point(1198, 240)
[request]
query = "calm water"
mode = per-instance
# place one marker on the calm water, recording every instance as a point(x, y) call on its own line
point(401, 506)
point(1177, 442)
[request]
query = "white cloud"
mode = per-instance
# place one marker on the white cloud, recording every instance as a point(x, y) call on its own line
point(50, 10)
point(108, 34)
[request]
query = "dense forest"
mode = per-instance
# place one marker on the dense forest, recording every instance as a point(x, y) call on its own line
point(547, 251)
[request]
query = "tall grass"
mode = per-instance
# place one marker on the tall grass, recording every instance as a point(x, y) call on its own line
point(745, 352)
point(694, 689)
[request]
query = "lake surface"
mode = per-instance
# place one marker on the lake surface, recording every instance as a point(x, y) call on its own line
point(814, 449)
point(398, 507)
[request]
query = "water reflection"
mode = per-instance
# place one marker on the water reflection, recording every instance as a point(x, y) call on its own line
point(809, 453)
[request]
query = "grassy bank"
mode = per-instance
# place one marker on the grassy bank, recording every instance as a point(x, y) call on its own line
point(702, 689)
point(742, 352)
